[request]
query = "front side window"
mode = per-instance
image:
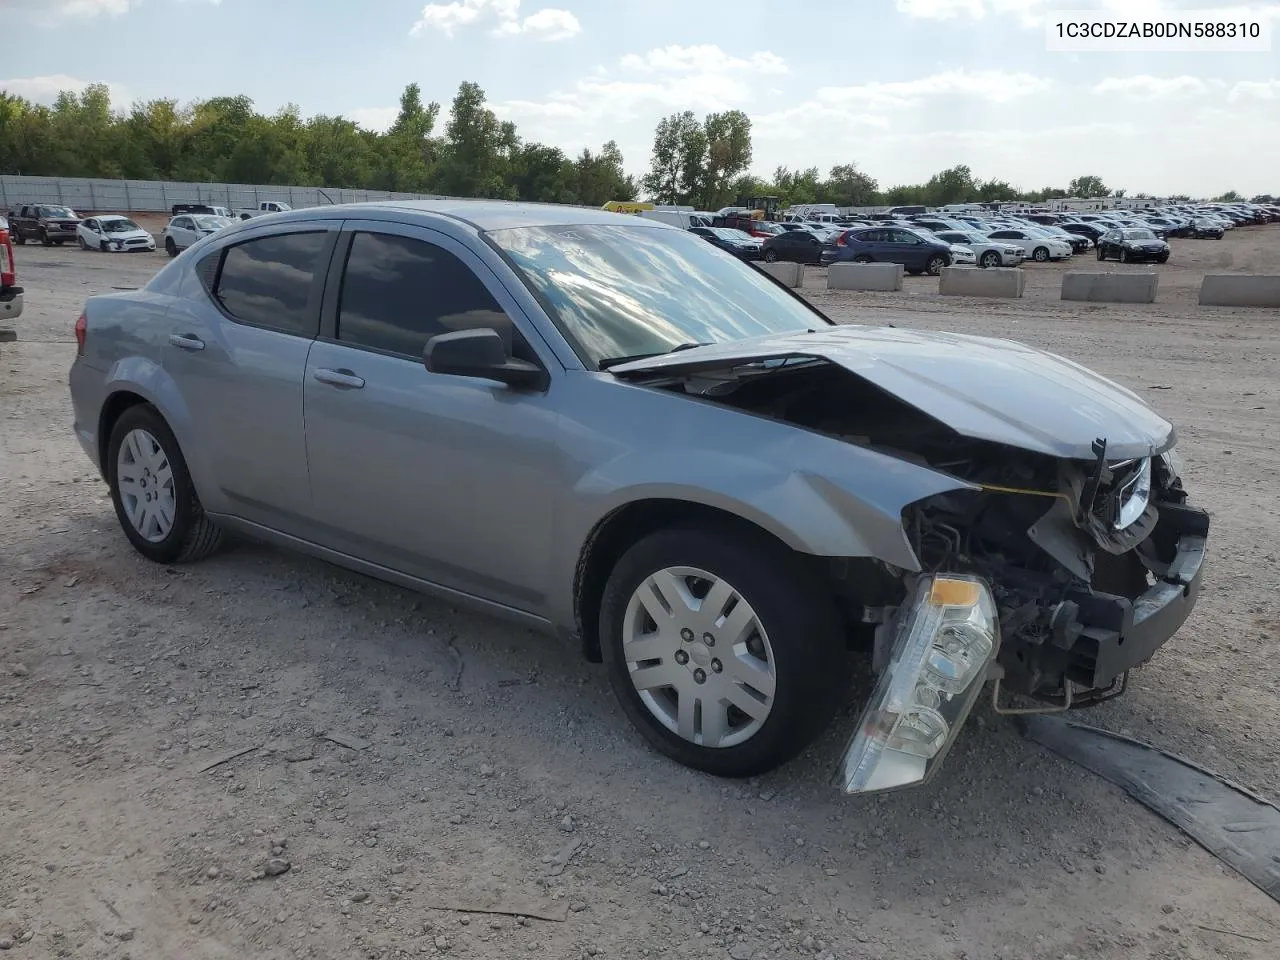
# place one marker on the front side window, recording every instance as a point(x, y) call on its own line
point(268, 282)
point(617, 291)
point(398, 293)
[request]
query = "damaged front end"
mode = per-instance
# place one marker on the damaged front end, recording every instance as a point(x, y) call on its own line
point(1088, 568)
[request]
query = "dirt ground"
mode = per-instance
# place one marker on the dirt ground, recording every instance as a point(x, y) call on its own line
point(405, 757)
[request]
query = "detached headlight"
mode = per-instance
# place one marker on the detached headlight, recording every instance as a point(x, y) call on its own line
point(947, 634)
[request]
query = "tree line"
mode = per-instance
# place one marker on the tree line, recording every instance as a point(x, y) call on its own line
point(225, 140)
point(700, 162)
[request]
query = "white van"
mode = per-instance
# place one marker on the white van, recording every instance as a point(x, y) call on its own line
point(684, 219)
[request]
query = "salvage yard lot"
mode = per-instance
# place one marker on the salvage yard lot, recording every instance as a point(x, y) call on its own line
point(412, 756)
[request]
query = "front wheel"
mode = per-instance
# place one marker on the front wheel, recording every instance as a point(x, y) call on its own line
point(771, 256)
point(1041, 254)
point(1101, 255)
point(1162, 259)
point(721, 649)
point(83, 245)
point(152, 492)
point(44, 238)
point(990, 259)
point(935, 265)
point(862, 258)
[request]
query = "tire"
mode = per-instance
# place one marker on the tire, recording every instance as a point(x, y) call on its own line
point(1101, 255)
point(102, 247)
point(18, 238)
point(44, 238)
point(989, 259)
point(1124, 256)
point(58, 243)
point(914, 271)
point(244, 216)
point(1040, 254)
point(771, 256)
point(80, 240)
point(191, 535)
point(935, 265)
point(1163, 259)
point(863, 258)
point(799, 643)
point(170, 247)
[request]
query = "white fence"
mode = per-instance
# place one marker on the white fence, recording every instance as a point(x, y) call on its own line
point(146, 196)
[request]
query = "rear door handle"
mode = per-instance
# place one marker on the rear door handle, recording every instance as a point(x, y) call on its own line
point(186, 341)
point(339, 378)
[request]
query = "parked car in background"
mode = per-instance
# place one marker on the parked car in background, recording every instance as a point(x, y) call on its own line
point(1090, 231)
point(114, 234)
point(48, 223)
point(733, 241)
point(1079, 244)
point(10, 293)
point(794, 246)
point(917, 253)
point(262, 209)
point(988, 252)
point(184, 230)
point(1040, 247)
point(1202, 228)
point(710, 485)
point(1131, 244)
point(205, 208)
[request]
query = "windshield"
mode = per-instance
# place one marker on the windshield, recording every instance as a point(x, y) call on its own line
point(65, 212)
point(119, 226)
point(211, 223)
point(728, 233)
point(1139, 235)
point(625, 291)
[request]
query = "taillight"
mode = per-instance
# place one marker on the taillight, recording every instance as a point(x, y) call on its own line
point(82, 329)
point(840, 241)
point(7, 273)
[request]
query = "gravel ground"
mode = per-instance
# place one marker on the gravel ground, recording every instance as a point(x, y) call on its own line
point(395, 757)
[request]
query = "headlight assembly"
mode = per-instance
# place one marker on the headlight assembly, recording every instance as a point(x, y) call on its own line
point(946, 636)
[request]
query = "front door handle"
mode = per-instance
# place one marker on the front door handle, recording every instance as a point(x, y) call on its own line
point(339, 378)
point(186, 341)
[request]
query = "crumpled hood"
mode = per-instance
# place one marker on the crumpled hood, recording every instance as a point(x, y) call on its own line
point(128, 235)
point(981, 387)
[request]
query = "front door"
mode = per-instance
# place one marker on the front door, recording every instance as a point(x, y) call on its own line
point(449, 479)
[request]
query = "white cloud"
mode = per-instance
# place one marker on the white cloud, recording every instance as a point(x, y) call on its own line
point(548, 24)
point(996, 86)
point(45, 90)
point(1146, 87)
point(1255, 89)
point(701, 58)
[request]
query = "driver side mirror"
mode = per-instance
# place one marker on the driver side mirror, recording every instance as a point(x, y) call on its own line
point(481, 353)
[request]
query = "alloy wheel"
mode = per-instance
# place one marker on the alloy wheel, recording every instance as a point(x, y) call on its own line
point(144, 478)
point(699, 657)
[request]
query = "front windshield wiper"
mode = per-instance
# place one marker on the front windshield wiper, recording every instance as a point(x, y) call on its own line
point(609, 362)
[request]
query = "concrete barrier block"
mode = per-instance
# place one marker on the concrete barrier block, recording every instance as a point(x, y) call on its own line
point(1239, 290)
point(864, 276)
point(976, 282)
point(792, 274)
point(1110, 287)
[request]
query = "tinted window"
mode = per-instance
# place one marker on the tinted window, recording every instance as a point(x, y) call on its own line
point(268, 282)
point(866, 236)
point(903, 236)
point(398, 293)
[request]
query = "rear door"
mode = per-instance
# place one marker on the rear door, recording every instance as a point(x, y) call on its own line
point(238, 354)
point(449, 479)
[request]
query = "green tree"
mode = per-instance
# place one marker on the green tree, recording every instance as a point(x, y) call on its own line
point(478, 149)
point(728, 153)
point(601, 177)
point(678, 160)
point(1231, 196)
point(847, 186)
point(1088, 188)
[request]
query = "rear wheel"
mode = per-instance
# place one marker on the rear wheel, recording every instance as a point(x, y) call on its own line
point(151, 490)
point(724, 654)
point(935, 264)
point(990, 259)
point(18, 238)
point(771, 256)
point(862, 258)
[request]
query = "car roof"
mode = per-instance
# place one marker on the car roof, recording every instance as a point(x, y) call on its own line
point(483, 214)
point(110, 216)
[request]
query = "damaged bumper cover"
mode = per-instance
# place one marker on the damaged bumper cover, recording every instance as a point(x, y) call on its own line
point(947, 642)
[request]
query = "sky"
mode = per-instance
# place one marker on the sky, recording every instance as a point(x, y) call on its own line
point(902, 88)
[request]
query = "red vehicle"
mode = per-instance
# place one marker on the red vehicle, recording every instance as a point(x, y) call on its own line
point(10, 292)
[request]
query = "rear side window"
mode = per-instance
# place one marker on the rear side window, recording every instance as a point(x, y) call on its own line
point(268, 282)
point(398, 293)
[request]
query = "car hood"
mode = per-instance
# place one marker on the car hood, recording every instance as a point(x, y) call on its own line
point(987, 389)
point(127, 235)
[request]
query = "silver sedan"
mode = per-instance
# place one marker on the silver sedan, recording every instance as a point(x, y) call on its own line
point(606, 428)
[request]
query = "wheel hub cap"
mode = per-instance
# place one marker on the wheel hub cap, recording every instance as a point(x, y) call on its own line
point(699, 657)
point(144, 480)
